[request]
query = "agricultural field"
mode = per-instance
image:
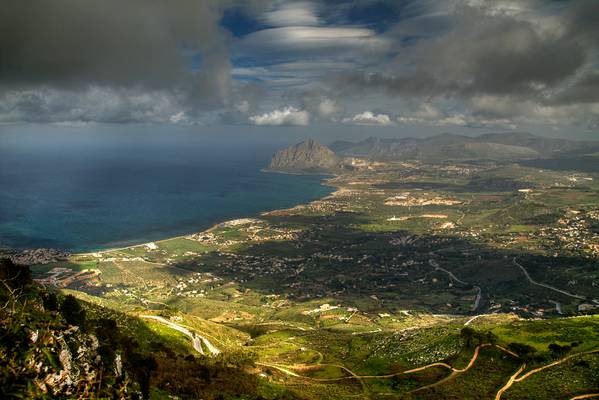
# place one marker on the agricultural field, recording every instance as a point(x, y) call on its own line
point(415, 281)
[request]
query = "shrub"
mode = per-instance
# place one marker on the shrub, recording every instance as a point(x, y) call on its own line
point(523, 350)
point(72, 312)
point(14, 276)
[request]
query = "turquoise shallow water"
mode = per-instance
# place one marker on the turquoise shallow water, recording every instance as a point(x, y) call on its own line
point(88, 191)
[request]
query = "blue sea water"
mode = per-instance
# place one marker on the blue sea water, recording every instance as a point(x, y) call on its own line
point(84, 191)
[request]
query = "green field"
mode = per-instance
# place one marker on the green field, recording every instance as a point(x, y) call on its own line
point(345, 296)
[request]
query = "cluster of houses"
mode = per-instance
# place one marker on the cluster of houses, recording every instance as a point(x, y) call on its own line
point(574, 233)
point(249, 230)
point(408, 199)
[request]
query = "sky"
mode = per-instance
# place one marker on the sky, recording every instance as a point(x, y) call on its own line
point(386, 67)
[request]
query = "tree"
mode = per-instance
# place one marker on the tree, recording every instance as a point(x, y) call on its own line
point(558, 350)
point(523, 350)
point(50, 301)
point(109, 336)
point(468, 334)
point(71, 311)
point(14, 276)
point(490, 337)
point(141, 367)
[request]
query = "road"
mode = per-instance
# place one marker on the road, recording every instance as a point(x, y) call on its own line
point(558, 306)
point(479, 292)
point(510, 382)
point(515, 378)
point(473, 318)
point(519, 378)
point(196, 340)
point(576, 296)
point(454, 371)
point(560, 361)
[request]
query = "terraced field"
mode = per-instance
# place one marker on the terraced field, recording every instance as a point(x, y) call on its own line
point(367, 293)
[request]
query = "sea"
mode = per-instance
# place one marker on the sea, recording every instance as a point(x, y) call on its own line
point(91, 189)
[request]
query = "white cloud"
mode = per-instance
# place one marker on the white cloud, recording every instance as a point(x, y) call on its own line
point(532, 112)
point(179, 118)
point(429, 115)
point(243, 106)
point(292, 14)
point(93, 104)
point(454, 119)
point(426, 112)
point(369, 118)
point(313, 42)
point(284, 116)
point(327, 107)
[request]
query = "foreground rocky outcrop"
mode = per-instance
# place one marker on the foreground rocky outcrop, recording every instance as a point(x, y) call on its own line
point(56, 346)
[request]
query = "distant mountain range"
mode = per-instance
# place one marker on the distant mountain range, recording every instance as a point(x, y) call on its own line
point(313, 157)
point(497, 147)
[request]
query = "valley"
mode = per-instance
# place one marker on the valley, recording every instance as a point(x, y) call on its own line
point(412, 280)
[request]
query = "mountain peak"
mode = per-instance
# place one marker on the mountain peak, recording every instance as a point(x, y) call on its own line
point(309, 156)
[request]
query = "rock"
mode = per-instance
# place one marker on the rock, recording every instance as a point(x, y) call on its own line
point(306, 157)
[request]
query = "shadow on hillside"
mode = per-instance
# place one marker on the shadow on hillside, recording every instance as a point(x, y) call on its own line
point(475, 185)
point(576, 163)
point(398, 270)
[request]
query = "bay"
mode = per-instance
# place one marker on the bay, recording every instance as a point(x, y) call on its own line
point(90, 190)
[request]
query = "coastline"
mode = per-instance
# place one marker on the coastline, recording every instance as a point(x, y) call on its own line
point(10, 251)
point(278, 171)
point(323, 182)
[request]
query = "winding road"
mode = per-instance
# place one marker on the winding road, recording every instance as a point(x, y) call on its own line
point(473, 318)
point(479, 292)
point(287, 369)
point(196, 340)
point(517, 264)
point(514, 378)
point(517, 378)
point(510, 382)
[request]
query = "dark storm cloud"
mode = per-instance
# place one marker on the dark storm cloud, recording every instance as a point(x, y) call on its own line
point(487, 54)
point(582, 21)
point(586, 90)
point(67, 43)
point(225, 61)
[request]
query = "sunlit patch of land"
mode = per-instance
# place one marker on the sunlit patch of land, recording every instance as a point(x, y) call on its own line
point(367, 292)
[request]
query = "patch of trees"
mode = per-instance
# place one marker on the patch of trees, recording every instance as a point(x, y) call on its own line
point(559, 350)
point(72, 311)
point(473, 337)
point(223, 377)
point(523, 350)
point(14, 276)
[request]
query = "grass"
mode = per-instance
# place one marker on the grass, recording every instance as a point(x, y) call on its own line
point(71, 264)
point(480, 382)
point(179, 246)
point(174, 339)
point(349, 254)
point(562, 382)
point(540, 334)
